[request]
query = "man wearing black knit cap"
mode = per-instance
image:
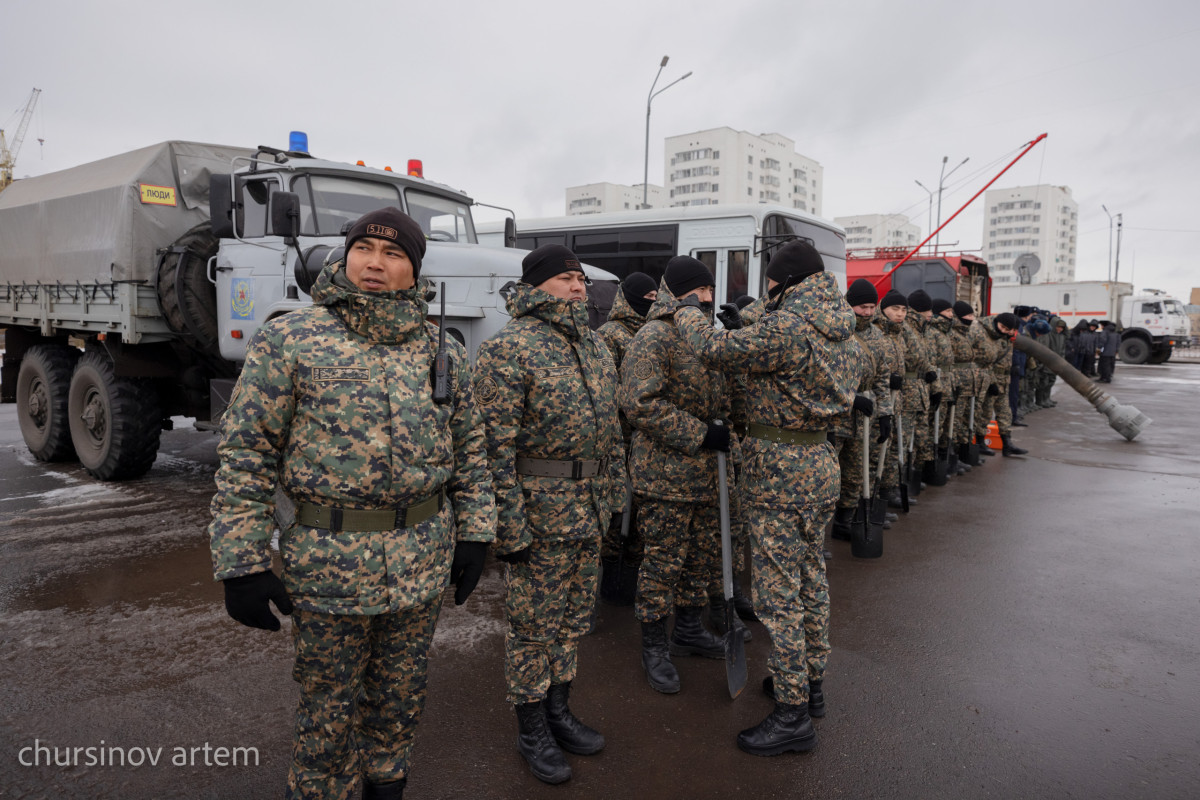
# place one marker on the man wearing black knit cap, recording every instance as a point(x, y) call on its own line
point(937, 332)
point(672, 400)
point(893, 311)
point(800, 374)
point(546, 387)
point(619, 559)
point(993, 345)
point(966, 375)
point(920, 381)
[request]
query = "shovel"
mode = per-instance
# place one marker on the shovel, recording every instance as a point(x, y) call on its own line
point(735, 642)
point(951, 450)
point(866, 537)
point(900, 462)
point(969, 453)
point(914, 477)
point(940, 465)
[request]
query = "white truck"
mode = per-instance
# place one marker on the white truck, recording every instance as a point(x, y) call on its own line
point(130, 286)
point(1151, 322)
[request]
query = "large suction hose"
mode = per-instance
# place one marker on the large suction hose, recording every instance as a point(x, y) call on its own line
point(1125, 420)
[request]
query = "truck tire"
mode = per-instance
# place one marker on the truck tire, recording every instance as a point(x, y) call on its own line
point(115, 422)
point(42, 385)
point(187, 299)
point(1134, 350)
point(1161, 356)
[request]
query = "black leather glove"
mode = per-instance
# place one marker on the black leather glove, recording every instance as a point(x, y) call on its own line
point(466, 568)
point(248, 598)
point(716, 438)
point(885, 428)
point(691, 300)
point(930, 376)
point(895, 382)
point(935, 400)
point(730, 316)
point(516, 557)
point(864, 405)
point(993, 390)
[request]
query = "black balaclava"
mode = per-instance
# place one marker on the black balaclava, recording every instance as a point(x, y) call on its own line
point(635, 287)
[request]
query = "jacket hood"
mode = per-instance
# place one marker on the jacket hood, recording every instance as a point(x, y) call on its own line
point(915, 321)
point(665, 306)
point(886, 325)
point(570, 318)
point(943, 324)
point(378, 317)
point(818, 300)
point(623, 313)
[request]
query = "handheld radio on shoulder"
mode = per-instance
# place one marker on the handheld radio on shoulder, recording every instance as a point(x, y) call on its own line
point(441, 361)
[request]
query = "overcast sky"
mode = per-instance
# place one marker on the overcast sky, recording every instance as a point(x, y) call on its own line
point(512, 102)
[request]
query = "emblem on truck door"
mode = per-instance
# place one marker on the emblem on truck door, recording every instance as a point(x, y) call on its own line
point(242, 295)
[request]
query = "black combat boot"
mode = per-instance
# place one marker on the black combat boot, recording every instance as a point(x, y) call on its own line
point(656, 660)
point(742, 604)
point(842, 517)
point(571, 734)
point(691, 638)
point(392, 790)
point(984, 450)
point(1011, 449)
point(537, 745)
point(787, 729)
point(816, 696)
point(610, 580)
point(716, 615)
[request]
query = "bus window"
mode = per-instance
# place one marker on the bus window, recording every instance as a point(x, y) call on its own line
point(708, 258)
point(737, 277)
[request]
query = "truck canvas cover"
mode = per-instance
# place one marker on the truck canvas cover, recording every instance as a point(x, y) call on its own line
point(104, 221)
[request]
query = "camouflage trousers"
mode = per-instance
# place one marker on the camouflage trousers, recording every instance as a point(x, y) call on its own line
point(791, 594)
point(918, 427)
point(549, 603)
point(997, 408)
point(850, 457)
point(683, 556)
point(961, 432)
point(610, 546)
point(362, 690)
point(1045, 383)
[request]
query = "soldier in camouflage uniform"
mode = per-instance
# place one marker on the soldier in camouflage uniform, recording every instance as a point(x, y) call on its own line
point(992, 343)
point(394, 499)
point(893, 311)
point(619, 560)
point(546, 385)
point(937, 333)
point(797, 359)
point(873, 402)
point(966, 375)
point(920, 378)
point(672, 400)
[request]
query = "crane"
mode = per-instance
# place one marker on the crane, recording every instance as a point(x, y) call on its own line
point(8, 157)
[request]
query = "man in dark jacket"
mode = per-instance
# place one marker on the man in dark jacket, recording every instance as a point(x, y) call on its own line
point(1108, 343)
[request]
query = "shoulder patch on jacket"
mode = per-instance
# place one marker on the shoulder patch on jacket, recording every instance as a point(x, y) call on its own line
point(486, 390)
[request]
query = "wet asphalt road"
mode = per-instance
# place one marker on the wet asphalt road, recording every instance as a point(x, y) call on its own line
point(1031, 631)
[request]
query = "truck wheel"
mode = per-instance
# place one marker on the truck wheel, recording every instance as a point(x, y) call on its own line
point(115, 422)
point(42, 385)
point(187, 299)
point(1134, 350)
point(1161, 356)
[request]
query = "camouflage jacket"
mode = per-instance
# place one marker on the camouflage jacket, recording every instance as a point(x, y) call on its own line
point(993, 353)
point(874, 374)
point(937, 334)
point(966, 374)
point(670, 397)
point(546, 385)
point(798, 361)
point(334, 407)
point(623, 324)
point(917, 361)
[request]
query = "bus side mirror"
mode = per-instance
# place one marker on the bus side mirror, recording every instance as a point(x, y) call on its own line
point(220, 206)
point(285, 215)
point(510, 232)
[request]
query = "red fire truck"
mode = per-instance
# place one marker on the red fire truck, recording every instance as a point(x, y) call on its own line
point(950, 276)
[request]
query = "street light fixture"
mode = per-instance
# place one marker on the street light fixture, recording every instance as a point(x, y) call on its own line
point(650, 99)
point(930, 191)
point(941, 182)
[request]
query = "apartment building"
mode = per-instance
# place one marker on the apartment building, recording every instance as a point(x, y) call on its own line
point(1030, 234)
point(868, 231)
point(594, 198)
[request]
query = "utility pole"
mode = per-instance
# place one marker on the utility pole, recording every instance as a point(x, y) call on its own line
point(1117, 268)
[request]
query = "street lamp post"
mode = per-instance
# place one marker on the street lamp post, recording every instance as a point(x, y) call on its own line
point(650, 99)
point(1117, 262)
point(930, 192)
point(1110, 226)
point(941, 182)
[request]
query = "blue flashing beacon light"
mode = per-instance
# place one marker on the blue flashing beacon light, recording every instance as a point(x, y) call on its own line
point(298, 142)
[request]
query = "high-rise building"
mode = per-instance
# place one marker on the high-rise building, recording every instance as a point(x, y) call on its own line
point(1029, 234)
point(868, 231)
point(724, 166)
point(593, 198)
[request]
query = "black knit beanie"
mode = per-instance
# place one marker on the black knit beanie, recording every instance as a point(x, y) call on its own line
point(1008, 319)
point(547, 261)
point(635, 287)
point(797, 259)
point(920, 301)
point(963, 309)
point(940, 305)
point(1022, 311)
point(892, 298)
point(392, 225)
point(685, 273)
point(743, 301)
point(862, 292)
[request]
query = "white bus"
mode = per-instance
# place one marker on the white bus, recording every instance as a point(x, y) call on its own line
point(735, 241)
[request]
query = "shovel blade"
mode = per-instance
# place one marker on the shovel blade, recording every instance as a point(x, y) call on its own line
point(866, 540)
point(735, 660)
point(878, 511)
point(969, 454)
point(941, 470)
